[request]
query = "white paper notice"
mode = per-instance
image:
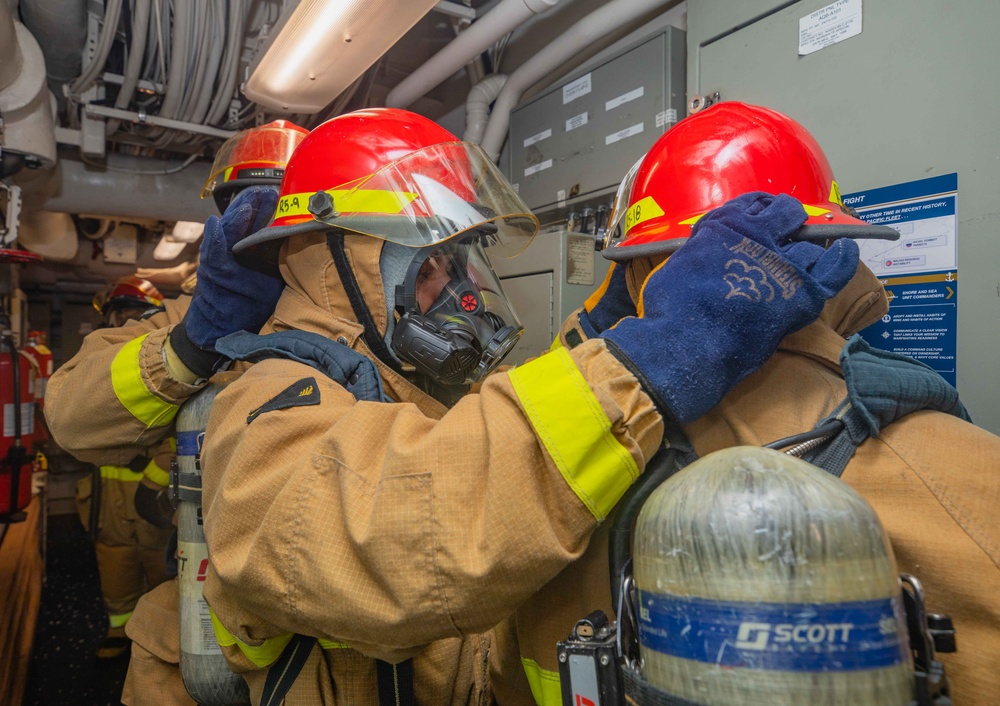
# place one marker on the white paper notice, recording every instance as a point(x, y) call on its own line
point(624, 98)
point(576, 89)
point(667, 117)
point(580, 260)
point(543, 135)
point(537, 167)
point(622, 134)
point(833, 23)
point(576, 121)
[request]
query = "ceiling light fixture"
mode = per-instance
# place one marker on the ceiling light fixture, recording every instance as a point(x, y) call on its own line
point(319, 47)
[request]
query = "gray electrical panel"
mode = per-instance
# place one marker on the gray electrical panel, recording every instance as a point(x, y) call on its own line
point(571, 146)
point(546, 283)
point(910, 96)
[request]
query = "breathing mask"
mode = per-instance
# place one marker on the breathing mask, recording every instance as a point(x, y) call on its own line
point(456, 323)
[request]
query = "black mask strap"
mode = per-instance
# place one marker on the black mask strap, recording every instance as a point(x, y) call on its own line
point(370, 335)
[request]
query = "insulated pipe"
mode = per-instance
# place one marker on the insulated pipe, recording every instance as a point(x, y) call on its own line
point(597, 24)
point(11, 59)
point(477, 106)
point(75, 187)
point(60, 26)
point(482, 33)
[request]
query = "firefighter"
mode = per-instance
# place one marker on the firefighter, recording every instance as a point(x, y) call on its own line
point(251, 161)
point(930, 475)
point(408, 527)
point(131, 552)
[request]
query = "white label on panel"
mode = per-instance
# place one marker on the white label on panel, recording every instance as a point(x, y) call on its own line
point(517, 187)
point(622, 134)
point(624, 98)
point(827, 26)
point(537, 167)
point(27, 419)
point(543, 135)
point(576, 121)
point(667, 117)
point(576, 89)
point(580, 260)
point(561, 198)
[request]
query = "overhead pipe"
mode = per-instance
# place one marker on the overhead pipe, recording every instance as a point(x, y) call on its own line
point(481, 34)
point(28, 126)
point(597, 24)
point(131, 187)
point(60, 26)
point(477, 106)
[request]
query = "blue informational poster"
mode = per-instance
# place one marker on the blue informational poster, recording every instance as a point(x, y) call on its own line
point(919, 271)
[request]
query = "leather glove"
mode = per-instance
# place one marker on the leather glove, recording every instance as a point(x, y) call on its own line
point(608, 305)
point(229, 297)
point(152, 503)
point(716, 310)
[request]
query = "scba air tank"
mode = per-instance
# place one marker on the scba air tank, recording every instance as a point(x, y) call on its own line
point(207, 677)
point(764, 580)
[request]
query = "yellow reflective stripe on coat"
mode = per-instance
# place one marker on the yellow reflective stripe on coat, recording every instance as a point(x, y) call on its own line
point(330, 645)
point(575, 430)
point(120, 473)
point(544, 684)
point(261, 655)
point(348, 201)
point(131, 391)
point(156, 474)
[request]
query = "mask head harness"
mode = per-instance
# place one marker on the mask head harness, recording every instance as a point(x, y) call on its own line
point(455, 322)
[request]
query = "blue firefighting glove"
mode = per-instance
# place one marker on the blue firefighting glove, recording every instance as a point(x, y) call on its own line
point(229, 297)
point(716, 310)
point(608, 305)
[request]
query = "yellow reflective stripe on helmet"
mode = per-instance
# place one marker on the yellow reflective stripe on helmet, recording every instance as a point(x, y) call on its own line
point(349, 201)
point(575, 430)
point(261, 655)
point(814, 210)
point(120, 473)
point(131, 391)
point(544, 684)
point(691, 221)
point(330, 645)
point(835, 193)
point(117, 620)
point(156, 474)
point(642, 210)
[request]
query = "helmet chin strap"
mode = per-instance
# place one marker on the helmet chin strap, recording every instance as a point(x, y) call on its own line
point(370, 335)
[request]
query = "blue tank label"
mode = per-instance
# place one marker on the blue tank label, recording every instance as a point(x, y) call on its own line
point(189, 442)
point(792, 637)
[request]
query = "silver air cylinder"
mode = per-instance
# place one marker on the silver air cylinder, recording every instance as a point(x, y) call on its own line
point(206, 674)
point(765, 580)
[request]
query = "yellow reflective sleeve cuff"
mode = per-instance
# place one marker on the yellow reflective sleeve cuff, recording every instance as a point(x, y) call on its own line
point(261, 655)
point(575, 430)
point(544, 684)
point(121, 473)
point(157, 474)
point(330, 645)
point(131, 391)
point(556, 344)
point(118, 620)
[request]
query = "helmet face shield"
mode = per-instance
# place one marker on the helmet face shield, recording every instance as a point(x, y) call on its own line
point(456, 323)
point(259, 153)
point(616, 219)
point(425, 197)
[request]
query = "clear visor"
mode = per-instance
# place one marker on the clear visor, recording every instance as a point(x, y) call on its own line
point(457, 287)
point(433, 195)
point(259, 148)
point(616, 219)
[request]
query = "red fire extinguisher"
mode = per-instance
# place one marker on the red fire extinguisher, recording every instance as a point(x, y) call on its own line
point(18, 422)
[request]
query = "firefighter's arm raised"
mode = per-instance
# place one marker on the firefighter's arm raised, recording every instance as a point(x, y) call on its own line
point(413, 528)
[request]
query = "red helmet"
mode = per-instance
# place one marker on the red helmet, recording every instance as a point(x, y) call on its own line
point(127, 293)
point(399, 176)
point(252, 157)
point(716, 155)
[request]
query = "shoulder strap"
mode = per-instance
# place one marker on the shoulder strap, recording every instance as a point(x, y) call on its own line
point(336, 360)
point(881, 388)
